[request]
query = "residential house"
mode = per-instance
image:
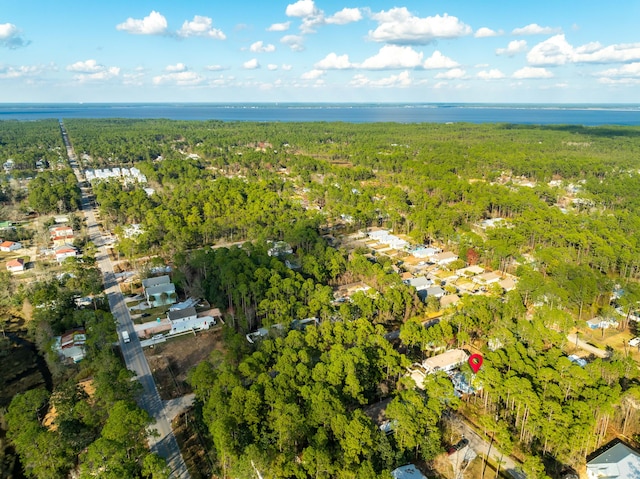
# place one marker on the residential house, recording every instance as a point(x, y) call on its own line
point(420, 283)
point(8, 246)
point(598, 322)
point(449, 300)
point(15, 265)
point(508, 284)
point(425, 252)
point(61, 234)
point(71, 344)
point(407, 472)
point(65, 251)
point(446, 361)
point(617, 461)
point(487, 278)
point(444, 258)
point(435, 291)
point(279, 249)
point(188, 320)
point(470, 270)
point(160, 294)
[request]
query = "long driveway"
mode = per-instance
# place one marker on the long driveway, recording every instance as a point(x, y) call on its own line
point(481, 446)
point(164, 444)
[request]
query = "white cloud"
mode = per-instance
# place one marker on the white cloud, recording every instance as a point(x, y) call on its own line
point(90, 70)
point(630, 70)
point(535, 29)
point(514, 47)
point(485, 32)
point(334, 62)
point(493, 74)
point(557, 51)
point(295, 42)
point(201, 27)
point(393, 56)
point(437, 61)
point(279, 27)
point(153, 24)
point(553, 51)
point(10, 36)
point(453, 74)
point(344, 16)
point(532, 73)
point(399, 26)
point(25, 71)
point(185, 78)
point(88, 66)
point(251, 64)
point(287, 67)
point(302, 8)
point(312, 75)
point(400, 80)
point(260, 47)
point(215, 68)
point(272, 67)
point(619, 81)
point(178, 67)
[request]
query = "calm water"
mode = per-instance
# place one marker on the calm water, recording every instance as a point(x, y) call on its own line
point(351, 113)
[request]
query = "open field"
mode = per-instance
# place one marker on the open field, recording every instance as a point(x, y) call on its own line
point(171, 361)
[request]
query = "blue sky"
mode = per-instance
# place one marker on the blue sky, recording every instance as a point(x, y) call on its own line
point(561, 51)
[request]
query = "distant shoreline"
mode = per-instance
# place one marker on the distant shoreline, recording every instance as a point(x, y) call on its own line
point(586, 114)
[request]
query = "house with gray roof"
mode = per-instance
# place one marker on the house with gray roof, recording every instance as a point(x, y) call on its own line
point(618, 461)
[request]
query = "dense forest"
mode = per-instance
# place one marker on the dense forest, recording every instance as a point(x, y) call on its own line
point(294, 404)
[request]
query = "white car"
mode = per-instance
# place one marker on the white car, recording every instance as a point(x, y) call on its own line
point(634, 342)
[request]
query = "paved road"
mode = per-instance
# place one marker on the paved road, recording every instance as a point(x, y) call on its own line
point(481, 446)
point(165, 444)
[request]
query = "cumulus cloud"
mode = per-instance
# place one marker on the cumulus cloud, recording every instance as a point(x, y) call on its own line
point(485, 32)
point(535, 29)
point(295, 42)
point(286, 67)
point(272, 67)
point(91, 70)
point(513, 48)
point(251, 64)
point(301, 9)
point(10, 36)
point(178, 67)
point(17, 72)
point(493, 74)
point(312, 75)
point(399, 26)
point(215, 68)
point(557, 51)
point(438, 61)
point(184, 78)
point(532, 73)
point(625, 75)
point(152, 24)
point(279, 27)
point(344, 16)
point(260, 47)
point(87, 66)
point(393, 56)
point(334, 62)
point(400, 80)
point(201, 27)
point(453, 74)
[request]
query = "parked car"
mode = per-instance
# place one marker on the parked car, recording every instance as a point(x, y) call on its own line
point(458, 445)
point(634, 342)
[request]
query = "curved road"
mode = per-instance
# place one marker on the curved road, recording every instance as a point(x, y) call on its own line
point(164, 443)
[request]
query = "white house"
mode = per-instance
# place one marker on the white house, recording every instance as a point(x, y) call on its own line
point(8, 246)
point(489, 277)
point(444, 258)
point(188, 320)
point(407, 472)
point(616, 462)
point(446, 361)
point(420, 283)
point(65, 251)
point(15, 265)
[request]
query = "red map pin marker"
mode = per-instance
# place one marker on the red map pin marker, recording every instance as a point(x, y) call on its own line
point(475, 361)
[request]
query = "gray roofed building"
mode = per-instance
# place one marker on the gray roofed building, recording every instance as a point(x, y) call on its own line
point(421, 282)
point(617, 462)
point(435, 291)
point(182, 314)
point(158, 280)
